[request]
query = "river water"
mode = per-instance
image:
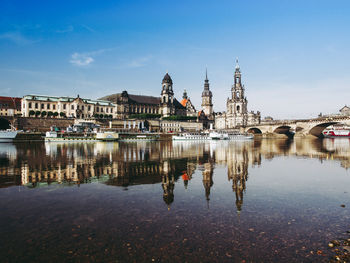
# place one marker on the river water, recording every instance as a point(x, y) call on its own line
point(266, 200)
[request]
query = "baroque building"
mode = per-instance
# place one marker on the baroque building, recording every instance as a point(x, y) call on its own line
point(186, 102)
point(39, 105)
point(237, 114)
point(166, 105)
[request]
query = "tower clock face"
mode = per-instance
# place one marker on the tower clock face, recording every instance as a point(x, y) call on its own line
point(237, 94)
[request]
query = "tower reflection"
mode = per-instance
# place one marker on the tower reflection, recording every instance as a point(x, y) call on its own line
point(165, 163)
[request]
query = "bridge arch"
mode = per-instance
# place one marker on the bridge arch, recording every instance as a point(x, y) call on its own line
point(317, 130)
point(284, 129)
point(254, 130)
point(4, 124)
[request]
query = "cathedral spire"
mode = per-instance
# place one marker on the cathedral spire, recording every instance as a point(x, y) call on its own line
point(206, 74)
point(237, 65)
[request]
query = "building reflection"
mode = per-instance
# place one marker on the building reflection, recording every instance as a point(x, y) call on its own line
point(165, 163)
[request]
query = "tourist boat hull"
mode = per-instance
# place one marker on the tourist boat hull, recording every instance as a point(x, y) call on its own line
point(336, 133)
point(212, 136)
point(7, 135)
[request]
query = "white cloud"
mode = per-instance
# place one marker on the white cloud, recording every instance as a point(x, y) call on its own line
point(89, 28)
point(139, 62)
point(68, 29)
point(81, 59)
point(86, 58)
point(17, 38)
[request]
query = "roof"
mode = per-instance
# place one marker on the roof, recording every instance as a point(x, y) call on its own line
point(66, 99)
point(345, 108)
point(10, 102)
point(184, 102)
point(140, 99)
point(178, 105)
point(167, 79)
point(144, 99)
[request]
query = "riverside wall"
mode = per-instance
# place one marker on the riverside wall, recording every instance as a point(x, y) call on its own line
point(41, 124)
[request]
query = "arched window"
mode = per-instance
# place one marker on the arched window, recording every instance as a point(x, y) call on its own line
point(238, 108)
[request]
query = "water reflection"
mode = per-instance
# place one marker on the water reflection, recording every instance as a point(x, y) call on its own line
point(164, 163)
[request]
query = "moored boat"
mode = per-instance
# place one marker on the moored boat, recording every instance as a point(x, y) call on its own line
point(107, 136)
point(8, 135)
point(54, 136)
point(337, 132)
point(191, 137)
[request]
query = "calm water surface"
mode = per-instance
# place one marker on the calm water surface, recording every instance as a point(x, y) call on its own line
point(254, 201)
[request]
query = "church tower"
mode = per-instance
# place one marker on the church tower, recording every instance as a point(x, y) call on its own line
point(167, 107)
point(207, 96)
point(238, 102)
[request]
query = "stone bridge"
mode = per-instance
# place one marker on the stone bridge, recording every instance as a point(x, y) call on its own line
point(307, 127)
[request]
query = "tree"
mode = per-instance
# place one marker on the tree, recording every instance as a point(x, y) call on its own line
point(37, 113)
point(105, 116)
point(55, 114)
point(31, 113)
point(110, 116)
point(62, 114)
point(50, 113)
point(43, 113)
point(101, 116)
point(96, 115)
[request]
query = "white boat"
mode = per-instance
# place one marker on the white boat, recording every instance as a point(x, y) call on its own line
point(212, 136)
point(53, 136)
point(191, 137)
point(7, 135)
point(215, 136)
point(237, 136)
point(107, 136)
point(337, 132)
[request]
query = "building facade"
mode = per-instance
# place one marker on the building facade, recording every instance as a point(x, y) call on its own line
point(10, 106)
point(46, 106)
point(236, 114)
point(165, 106)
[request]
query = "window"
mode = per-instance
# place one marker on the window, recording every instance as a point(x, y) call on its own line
point(111, 110)
point(72, 107)
point(89, 108)
point(238, 108)
point(101, 109)
point(106, 110)
point(82, 107)
point(64, 106)
point(30, 105)
point(42, 105)
point(97, 109)
point(77, 107)
point(48, 106)
point(36, 105)
point(54, 106)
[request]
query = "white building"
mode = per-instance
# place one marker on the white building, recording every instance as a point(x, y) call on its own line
point(34, 105)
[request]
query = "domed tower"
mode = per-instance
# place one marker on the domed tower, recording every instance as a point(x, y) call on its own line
point(207, 96)
point(239, 101)
point(167, 107)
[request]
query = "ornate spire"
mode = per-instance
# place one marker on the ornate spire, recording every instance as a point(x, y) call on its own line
point(184, 96)
point(206, 81)
point(237, 65)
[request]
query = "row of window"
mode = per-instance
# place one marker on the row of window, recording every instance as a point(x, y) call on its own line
point(143, 110)
point(170, 124)
point(48, 106)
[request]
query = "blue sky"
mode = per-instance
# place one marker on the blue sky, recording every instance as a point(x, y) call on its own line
point(294, 55)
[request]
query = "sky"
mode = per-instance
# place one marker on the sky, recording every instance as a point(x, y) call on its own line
point(294, 55)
